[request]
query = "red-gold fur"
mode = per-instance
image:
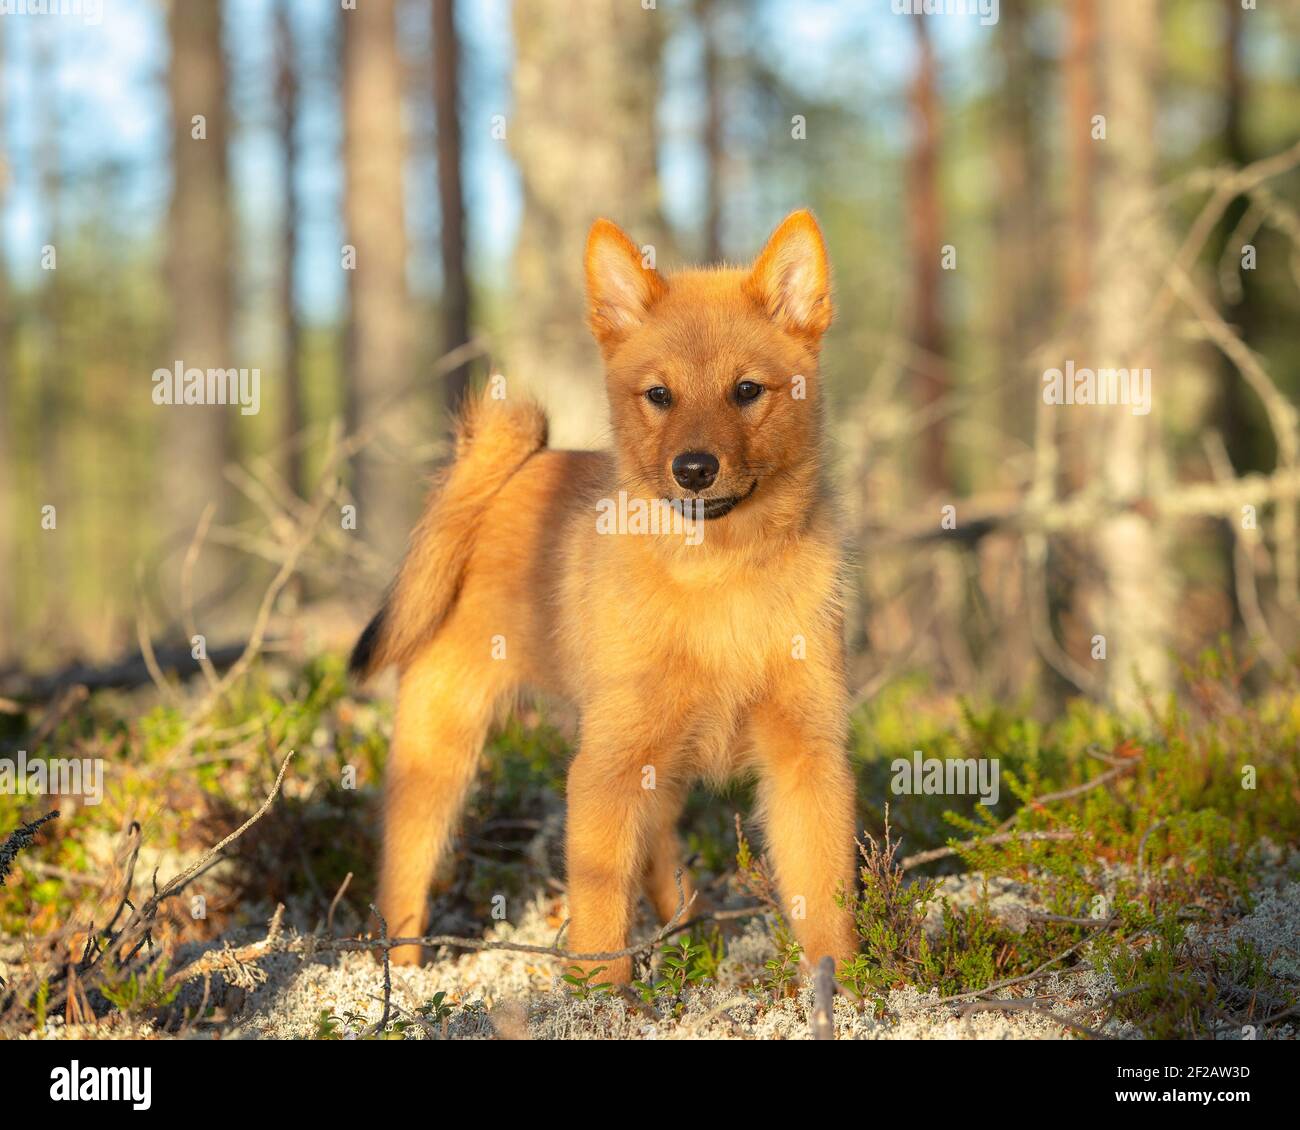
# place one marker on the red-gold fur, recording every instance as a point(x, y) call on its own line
point(703, 653)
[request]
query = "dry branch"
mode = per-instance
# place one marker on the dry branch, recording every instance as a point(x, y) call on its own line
point(1035, 1005)
point(117, 948)
point(1001, 835)
point(920, 857)
point(125, 673)
point(308, 945)
point(974, 993)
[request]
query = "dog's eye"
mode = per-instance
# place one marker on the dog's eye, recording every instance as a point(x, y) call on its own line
point(659, 395)
point(748, 390)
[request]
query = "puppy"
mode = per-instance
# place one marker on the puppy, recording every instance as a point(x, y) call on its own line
point(683, 589)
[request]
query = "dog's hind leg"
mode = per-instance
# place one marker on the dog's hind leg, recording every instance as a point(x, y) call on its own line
point(445, 704)
point(663, 861)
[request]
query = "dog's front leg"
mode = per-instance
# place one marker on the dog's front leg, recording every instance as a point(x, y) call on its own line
point(806, 792)
point(619, 787)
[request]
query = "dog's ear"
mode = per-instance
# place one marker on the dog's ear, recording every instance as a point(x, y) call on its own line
point(621, 288)
point(791, 278)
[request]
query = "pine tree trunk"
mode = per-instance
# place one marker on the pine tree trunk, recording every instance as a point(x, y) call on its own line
point(1233, 415)
point(56, 377)
point(706, 12)
point(197, 439)
point(379, 342)
point(1135, 605)
point(455, 281)
point(1021, 289)
point(8, 403)
point(926, 223)
point(1081, 104)
point(586, 85)
point(294, 413)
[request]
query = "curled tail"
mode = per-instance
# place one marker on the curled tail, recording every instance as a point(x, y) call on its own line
point(493, 439)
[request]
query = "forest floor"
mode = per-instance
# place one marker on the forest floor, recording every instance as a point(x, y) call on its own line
point(1132, 881)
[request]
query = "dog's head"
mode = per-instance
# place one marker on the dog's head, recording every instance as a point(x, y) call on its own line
point(712, 374)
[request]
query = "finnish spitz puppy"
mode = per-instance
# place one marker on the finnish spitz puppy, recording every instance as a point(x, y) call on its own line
point(683, 590)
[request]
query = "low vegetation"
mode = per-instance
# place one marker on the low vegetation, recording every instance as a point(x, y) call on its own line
point(1120, 852)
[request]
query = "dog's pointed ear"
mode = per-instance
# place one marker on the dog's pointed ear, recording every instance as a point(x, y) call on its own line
point(621, 286)
point(791, 278)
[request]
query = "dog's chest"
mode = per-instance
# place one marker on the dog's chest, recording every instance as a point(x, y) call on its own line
point(726, 628)
point(698, 628)
point(729, 630)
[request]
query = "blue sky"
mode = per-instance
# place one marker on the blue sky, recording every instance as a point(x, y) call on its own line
point(104, 87)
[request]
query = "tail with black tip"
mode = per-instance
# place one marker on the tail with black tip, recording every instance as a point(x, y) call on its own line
point(493, 439)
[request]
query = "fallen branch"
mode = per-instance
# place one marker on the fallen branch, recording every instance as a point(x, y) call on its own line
point(1034, 1005)
point(921, 857)
point(1027, 977)
point(1002, 836)
point(132, 671)
point(308, 945)
point(120, 947)
point(1083, 512)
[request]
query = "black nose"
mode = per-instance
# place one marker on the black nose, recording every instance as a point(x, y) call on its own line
point(695, 470)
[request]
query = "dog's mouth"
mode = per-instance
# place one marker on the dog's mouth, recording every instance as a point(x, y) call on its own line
point(710, 507)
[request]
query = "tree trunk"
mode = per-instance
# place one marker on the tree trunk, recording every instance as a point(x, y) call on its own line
point(1081, 103)
point(586, 85)
point(706, 13)
point(197, 439)
point(58, 380)
point(926, 224)
point(1233, 415)
point(294, 415)
point(1135, 605)
point(1021, 283)
point(8, 404)
point(379, 345)
point(455, 281)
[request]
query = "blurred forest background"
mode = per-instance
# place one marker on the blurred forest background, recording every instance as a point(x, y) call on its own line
point(372, 204)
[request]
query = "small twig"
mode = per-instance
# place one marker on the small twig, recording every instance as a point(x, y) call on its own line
point(75, 695)
point(1283, 418)
point(1001, 835)
point(430, 1029)
point(216, 959)
point(1030, 1004)
point(930, 856)
point(1068, 920)
point(326, 492)
point(1027, 977)
point(178, 883)
point(1243, 563)
point(334, 902)
point(192, 552)
point(151, 666)
point(137, 931)
point(560, 933)
point(388, 972)
point(1087, 786)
